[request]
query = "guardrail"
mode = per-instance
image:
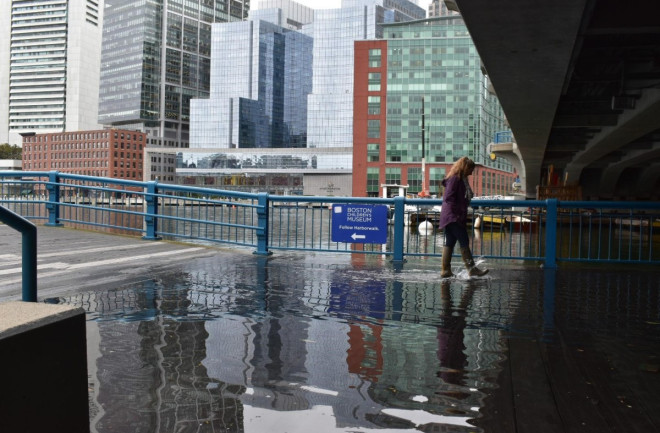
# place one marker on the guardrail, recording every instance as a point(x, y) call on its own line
point(547, 231)
point(29, 251)
point(503, 137)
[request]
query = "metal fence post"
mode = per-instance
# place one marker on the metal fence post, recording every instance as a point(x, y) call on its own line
point(551, 233)
point(29, 254)
point(262, 221)
point(399, 215)
point(151, 218)
point(53, 204)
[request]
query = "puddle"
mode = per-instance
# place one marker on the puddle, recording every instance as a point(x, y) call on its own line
point(294, 346)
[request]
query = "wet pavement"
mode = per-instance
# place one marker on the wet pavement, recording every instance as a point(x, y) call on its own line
point(226, 341)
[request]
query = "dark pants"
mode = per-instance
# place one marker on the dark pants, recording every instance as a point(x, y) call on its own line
point(456, 232)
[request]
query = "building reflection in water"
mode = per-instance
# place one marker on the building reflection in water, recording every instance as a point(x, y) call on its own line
point(231, 348)
point(150, 373)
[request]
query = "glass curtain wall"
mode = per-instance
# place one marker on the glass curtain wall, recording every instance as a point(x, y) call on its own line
point(335, 31)
point(156, 58)
point(434, 71)
point(261, 76)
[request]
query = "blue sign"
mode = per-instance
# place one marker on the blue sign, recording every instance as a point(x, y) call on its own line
point(355, 223)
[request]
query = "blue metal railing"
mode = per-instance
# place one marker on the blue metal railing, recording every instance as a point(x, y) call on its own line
point(503, 137)
point(29, 251)
point(548, 231)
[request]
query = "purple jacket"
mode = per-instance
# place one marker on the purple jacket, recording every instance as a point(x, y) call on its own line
point(454, 202)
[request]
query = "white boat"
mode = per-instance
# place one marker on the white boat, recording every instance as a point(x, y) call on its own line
point(425, 228)
point(519, 222)
point(504, 198)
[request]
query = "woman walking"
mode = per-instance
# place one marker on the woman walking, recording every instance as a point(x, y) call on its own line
point(453, 216)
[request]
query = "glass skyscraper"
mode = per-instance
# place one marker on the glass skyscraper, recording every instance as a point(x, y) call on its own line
point(330, 112)
point(155, 59)
point(250, 134)
point(261, 76)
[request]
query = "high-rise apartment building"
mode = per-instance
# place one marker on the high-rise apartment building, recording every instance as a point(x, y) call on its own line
point(421, 93)
point(330, 110)
point(49, 72)
point(156, 57)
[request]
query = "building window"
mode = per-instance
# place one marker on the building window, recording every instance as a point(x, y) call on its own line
point(374, 105)
point(414, 179)
point(373, 152)
point(373, 184)
point(393, 175)
point(373, 129)
point(374, 58)
point(374, 81)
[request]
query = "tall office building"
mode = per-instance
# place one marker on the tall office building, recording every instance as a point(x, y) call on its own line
point(261, 76)
point(421, 93)
point(49, 72)
point(330, 111)
point(251, 134)
point(438, 8)
point(156, 57)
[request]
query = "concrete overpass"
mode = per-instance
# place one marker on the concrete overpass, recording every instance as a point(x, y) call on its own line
point(579, 81)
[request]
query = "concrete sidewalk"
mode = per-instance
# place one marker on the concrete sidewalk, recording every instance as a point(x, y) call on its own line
point(71, 260)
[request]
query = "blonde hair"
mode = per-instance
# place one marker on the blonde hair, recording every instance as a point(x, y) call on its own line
point(461, 167)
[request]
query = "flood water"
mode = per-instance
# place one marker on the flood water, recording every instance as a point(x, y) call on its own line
point(342, 343)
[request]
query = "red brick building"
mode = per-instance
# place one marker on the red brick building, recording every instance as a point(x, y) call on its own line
point(110, 153)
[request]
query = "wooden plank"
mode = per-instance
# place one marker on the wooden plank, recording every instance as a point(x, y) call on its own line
point(535, 408)
point(576, 399)
point(612, 394)
point(637, 367)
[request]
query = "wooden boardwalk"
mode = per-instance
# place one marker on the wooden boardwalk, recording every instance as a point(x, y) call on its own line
point(561, 387)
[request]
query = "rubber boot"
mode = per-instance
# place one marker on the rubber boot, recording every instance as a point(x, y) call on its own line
point(446, 262)
point(473, 271)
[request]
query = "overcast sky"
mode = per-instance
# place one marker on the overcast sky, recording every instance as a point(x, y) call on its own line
point(332, 4)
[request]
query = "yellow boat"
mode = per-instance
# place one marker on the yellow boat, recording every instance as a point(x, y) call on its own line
point(489, 221)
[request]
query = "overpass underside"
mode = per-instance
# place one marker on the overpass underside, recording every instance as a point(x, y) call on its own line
point(579, 81)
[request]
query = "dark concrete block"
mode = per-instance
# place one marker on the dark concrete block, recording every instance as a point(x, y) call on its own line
point(43, 369)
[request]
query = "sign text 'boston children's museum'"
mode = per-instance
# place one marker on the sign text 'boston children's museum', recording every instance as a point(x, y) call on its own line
point(359, 223)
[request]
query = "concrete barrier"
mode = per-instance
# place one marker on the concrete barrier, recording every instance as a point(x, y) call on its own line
point(43, 368)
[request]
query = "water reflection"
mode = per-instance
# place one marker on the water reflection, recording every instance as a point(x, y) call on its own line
point(292, 343)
